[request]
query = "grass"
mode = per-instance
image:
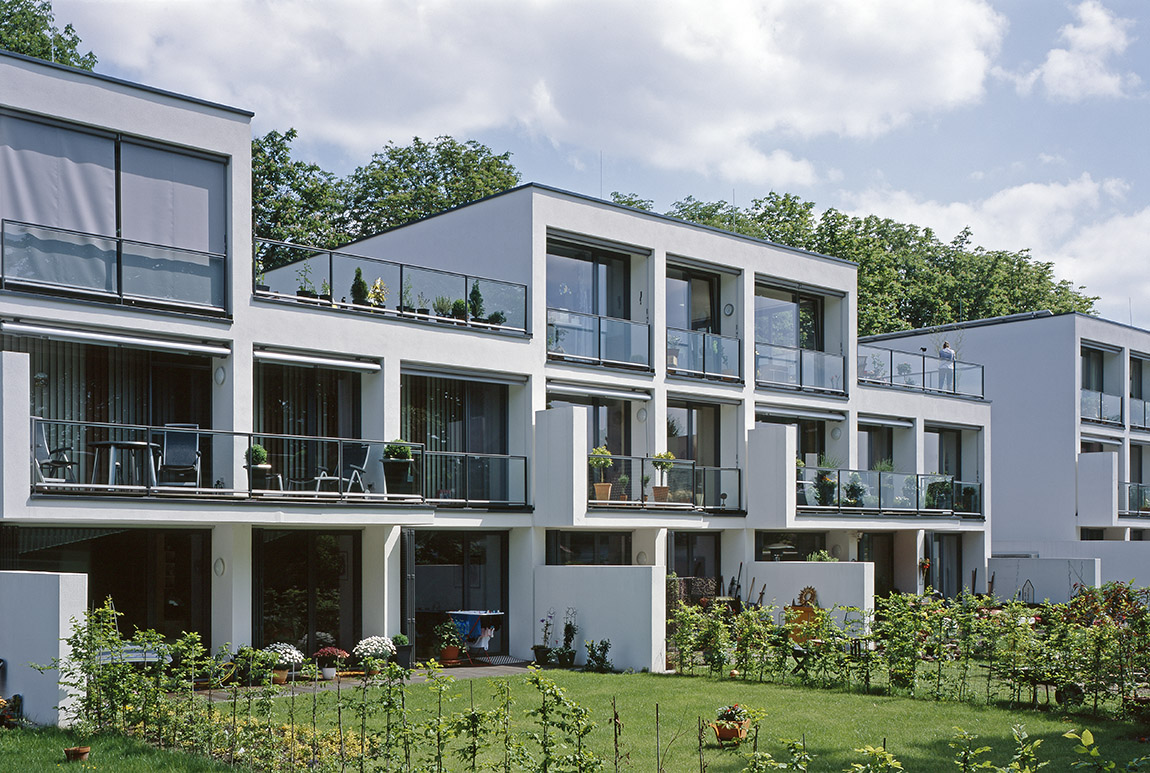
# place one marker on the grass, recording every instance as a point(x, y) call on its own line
point(915, 730)
point(30, 751)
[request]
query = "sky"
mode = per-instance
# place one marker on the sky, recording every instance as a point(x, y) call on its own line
point(1026, 120)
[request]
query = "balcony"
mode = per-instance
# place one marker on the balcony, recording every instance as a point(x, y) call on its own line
point(886, 367)
point(1134, 499)
point(704, 355)
point(825, 490)
point(662, 484)
point(789, 366)
point(328, 279)
point(1139, 413)
point(589, 338)
point(71, 458)
point(1100, 407)
point(70, 263)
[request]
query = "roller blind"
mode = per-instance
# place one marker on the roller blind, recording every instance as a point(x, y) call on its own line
point(172, 199)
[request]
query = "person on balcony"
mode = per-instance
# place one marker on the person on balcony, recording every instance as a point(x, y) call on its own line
point(946, 358)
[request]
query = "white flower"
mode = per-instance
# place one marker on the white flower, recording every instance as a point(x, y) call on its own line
point(285, 654)
point(378, 647)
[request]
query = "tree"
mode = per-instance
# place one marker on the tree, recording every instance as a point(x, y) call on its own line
point(402, 184)
point(632, 200)
point(293, 201)
point(28, 27)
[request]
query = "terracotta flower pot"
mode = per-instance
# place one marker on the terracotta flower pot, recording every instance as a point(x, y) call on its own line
point(731, 731)
point(279, 676)
point(660, 493)
point(449, 653)
point(77, 753)
point(602, 491)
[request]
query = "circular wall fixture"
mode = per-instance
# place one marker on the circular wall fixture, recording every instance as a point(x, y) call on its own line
point(729, 309)
point(218, 567)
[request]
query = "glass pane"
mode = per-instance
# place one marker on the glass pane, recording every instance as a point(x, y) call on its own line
point(874, 364)
point(570, 284)
point(572, 334)
point(722, 355)
point(381, 281)
point(421, 288)
point(1091, 404)
point(908, 369)
point(776, 364)
point(1112, 408)
point(52, 257)
point(775, 317)
point(174, 275)
point(821, 370)
point(505, 301)
point(899, 490)
point(678, 302)
point(624, 341)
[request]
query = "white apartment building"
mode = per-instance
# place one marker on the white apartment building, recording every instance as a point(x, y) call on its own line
point(149, 348)
point(1071, 448)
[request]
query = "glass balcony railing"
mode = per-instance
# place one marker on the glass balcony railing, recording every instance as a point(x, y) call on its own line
point(476, 480)
point(1134, 499)
point(777, 365)
point(887, 367)
point(708, 355)
point(94, 459)
point(637, 481)
point(1101, 407)
point(326, 277)
point(54, 260)
point(886, 492)
point(1139, 415)
point(591, 338)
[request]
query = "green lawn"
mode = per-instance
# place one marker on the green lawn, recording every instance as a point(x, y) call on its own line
point(31, 751)
point(916, 731)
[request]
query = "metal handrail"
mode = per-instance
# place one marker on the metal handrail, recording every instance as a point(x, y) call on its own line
point(800, 379)
point(709, 339)
point(555, 338)
point(841, 489)
point(877, 366)
point(667, 481)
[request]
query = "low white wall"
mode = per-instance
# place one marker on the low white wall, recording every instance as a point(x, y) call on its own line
point(626, 604)
point(1053, 579)
point(838, 583)
point(1121, 561)
point(36, 611)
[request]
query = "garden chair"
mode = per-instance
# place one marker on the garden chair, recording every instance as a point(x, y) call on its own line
point(52, 464)
point(179, 455)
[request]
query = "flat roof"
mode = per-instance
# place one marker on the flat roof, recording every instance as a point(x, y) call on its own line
point(123, 82)
point(602, 202)
point(1020, 317)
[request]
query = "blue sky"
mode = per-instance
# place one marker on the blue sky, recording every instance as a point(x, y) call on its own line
point(1027, 120)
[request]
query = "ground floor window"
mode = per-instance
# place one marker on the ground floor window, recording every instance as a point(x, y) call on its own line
point(788, 545)
point(456, 571)
point(306, 588)
point(575, 548)
point(1092, 534)
point(878, 548)
point(695, 555)
point(157, 578)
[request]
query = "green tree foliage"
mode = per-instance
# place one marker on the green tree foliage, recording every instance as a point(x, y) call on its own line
point(402, 184)
point(632, 200)
point(28, 27)
point(294, 201)
point(907, 277)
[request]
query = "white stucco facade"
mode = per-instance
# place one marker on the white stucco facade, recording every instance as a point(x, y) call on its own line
point(504, 519)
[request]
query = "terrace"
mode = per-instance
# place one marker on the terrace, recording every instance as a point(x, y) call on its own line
point(922, 372)
point(826, 490)
point(655, 483)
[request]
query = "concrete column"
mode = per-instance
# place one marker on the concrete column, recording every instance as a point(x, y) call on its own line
point(16, 445)
point(375, 585)
point(231, 585)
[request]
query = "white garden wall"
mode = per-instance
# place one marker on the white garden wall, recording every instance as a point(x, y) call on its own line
point(841, 583)
point(37, 609)
point(626, 604)
point(1052, 578)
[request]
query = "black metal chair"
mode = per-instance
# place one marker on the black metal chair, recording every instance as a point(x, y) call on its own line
point(52, 464)
point(179, 455)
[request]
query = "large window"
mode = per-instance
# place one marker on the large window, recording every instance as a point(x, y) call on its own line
point(93, 212)
point(693, 431)
point(695, 555)
point(609, 421)
point(570, 548)
point(692, 300)
point(587, 280)
point(788, 545)
point(306, 588)
point(457, 570)
point(876, 447)
point(157, 578)
point(1092, 370)
point(943, 452)
point(788, 318)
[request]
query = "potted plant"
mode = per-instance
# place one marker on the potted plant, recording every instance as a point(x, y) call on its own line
point(397, 467)
point(325, 290)
point(441, 306)
point(256, 458)
point(449, 641)
point(673, 343)
point(600, 459)
point(496, 318)
point(372, 651)
point(459, 309)
point(424, 306)
point(662, 462)
point(328, 658)
point(565, 655)
point(854, 491)
point(827, 481)
point(305, 287)
point(543, 651)
point(475, 306)
point(646, 481)
point(624, 487)
point(731, 723)
point(284, 658)
point(359, 288)
point(405, 296)
point(402, 650)
point(378, 293)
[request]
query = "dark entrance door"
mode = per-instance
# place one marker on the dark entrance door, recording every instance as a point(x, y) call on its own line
point(879, 548)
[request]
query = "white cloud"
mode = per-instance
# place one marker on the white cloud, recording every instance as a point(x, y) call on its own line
point(676, 84)
point(1083, 68)
point(1072, 223)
